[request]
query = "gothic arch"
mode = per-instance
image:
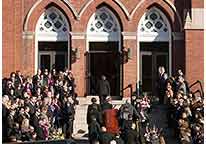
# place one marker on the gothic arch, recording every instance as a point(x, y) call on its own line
point(170, 12)
point(103, 25)
point(39, 7)
point(52, 24)
point(113, 6)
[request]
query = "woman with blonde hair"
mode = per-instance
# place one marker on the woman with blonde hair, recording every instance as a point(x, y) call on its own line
point(26, 130)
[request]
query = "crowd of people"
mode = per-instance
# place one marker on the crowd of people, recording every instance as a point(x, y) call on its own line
point(185, 113)
point(41, 107)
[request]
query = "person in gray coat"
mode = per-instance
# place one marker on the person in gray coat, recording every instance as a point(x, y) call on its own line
point(103, 88)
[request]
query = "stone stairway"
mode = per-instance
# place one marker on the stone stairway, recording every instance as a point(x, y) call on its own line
point(157, 117)
point(80, 124)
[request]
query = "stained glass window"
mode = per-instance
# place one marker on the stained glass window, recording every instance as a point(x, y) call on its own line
point(53, 21)
point(153, 22)
point(103, 21)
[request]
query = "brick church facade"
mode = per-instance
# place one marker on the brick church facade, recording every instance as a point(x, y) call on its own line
point(126, 40)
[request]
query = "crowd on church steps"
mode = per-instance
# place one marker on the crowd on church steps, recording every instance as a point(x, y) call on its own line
point(42, 107)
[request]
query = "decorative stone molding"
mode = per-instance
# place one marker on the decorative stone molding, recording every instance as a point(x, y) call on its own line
point(129, 35)
point(196, 21)
point(86, 5)
point(30, 12)
point(28, 35)
point(130, 15)
point(78, 35)
point(83, 8)
point(176, 12)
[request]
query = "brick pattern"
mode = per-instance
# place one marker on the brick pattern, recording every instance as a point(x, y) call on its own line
point(194, 55)
point(19, 53)
point(197, 3)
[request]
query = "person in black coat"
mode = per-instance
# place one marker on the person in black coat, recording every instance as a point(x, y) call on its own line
point(19, 78)
point(161, 84)
point(107, 104)
point(70, 84)
point(103, 88)
point(36, 78)
point(94, 131)
point(94, 110)
point(19, 91)
point(32, 105)
point(105, 137)
point(132, 136)
point(68, 116)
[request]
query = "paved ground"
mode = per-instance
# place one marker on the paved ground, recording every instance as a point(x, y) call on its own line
point(157, 117)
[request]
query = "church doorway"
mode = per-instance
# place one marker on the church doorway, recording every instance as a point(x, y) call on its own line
point(152, 56)
point(103, 52)
point(52, 40)
point(53, 54)
point(104, 59)
point(155, 49)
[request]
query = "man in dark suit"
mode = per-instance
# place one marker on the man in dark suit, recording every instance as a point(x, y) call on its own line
point(103, 88)
point(36, 78)
point(94, 131)
point(19, 78)
point(161, 84)
point(68, 116)
point(94, 110)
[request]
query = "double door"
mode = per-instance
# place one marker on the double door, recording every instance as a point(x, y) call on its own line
point(49, 59)
point(149, 63)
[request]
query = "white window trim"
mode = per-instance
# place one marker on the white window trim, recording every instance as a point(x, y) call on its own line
point(151, 37)
point(103, 36)
point(51, 37)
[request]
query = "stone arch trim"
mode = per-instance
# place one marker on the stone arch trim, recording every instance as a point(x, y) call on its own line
point(113, 6)
point(38, 8)
point(165, 6)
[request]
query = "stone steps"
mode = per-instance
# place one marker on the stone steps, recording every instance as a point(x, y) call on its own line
point(80, 124)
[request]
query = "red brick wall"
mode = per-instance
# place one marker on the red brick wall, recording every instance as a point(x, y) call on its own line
point(130, 68)
point(78, 67)
point(194, 43)
point(19, 53)
point(7, 33)
point(197, 3)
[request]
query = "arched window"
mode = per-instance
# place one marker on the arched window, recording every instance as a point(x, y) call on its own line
point(103, 26)
point(103, 21)
point(154, 24)
point(52, 23)
point(52, 40)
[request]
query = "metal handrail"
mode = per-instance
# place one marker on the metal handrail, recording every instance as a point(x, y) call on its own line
point(131, 90)
point(195, 83)
point(197, 91)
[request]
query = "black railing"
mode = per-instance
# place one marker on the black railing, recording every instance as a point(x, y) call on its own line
point(128, 87)
point(197, 91)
